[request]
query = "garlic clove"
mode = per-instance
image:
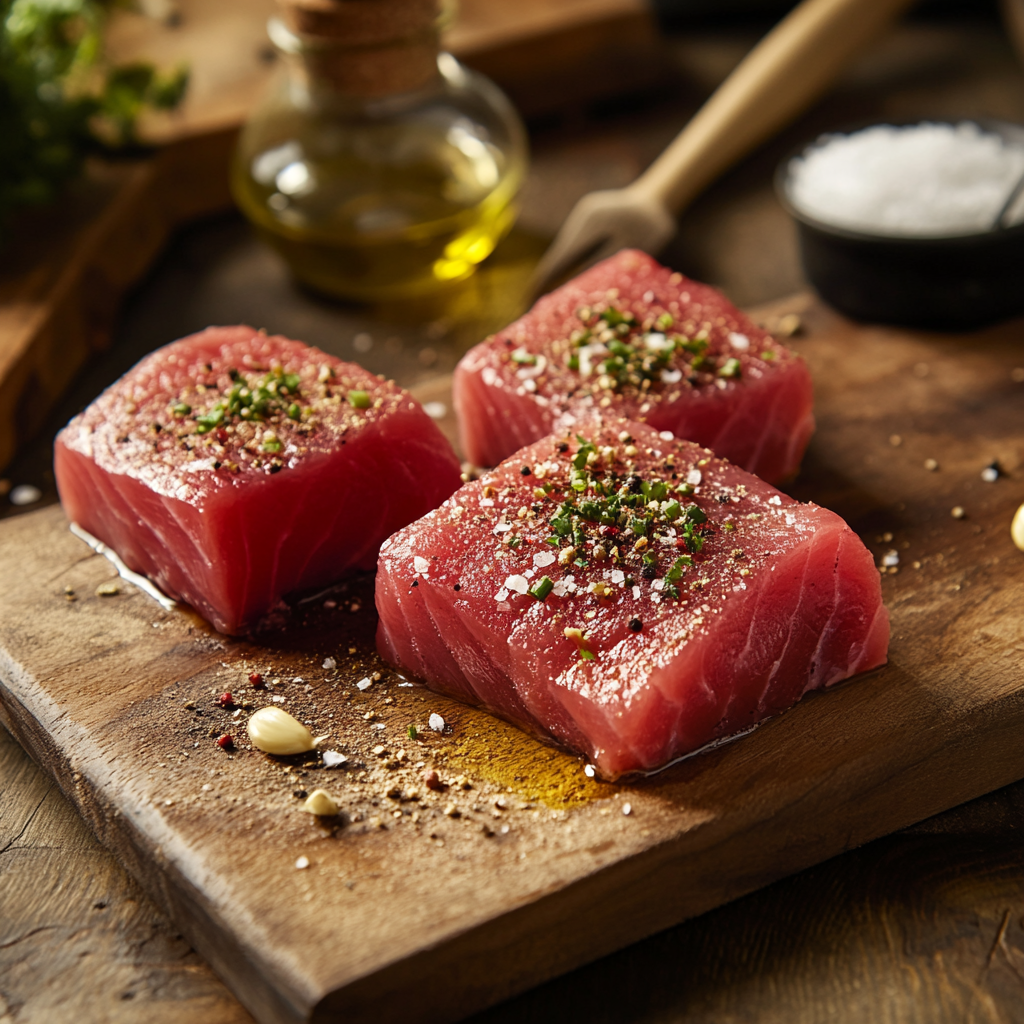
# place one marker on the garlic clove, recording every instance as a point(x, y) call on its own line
point(320, 803)
point(274, 731)
point(1017, 528)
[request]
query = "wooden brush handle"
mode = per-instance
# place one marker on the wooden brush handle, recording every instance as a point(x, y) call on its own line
point(786, 72)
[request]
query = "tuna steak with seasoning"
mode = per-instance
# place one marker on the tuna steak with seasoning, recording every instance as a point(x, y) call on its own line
point(630, 338)
point(628, 597)
point(233, 468)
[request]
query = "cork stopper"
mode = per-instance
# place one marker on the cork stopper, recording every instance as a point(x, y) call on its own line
point(367, 47)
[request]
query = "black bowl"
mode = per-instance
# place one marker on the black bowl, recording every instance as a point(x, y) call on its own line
point(948, 283)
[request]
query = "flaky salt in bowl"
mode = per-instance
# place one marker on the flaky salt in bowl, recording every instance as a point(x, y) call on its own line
point(921, 225)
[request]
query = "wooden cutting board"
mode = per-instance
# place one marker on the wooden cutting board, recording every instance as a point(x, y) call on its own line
point(427, 906)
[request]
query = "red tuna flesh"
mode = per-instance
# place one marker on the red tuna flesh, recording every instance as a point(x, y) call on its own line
point(630, 338)
point(233, 468)
point(631, 599)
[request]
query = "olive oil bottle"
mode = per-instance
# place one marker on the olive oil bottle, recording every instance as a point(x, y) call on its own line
point(377, 166)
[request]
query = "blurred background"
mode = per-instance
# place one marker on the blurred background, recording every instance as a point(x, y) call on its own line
point(137, 239)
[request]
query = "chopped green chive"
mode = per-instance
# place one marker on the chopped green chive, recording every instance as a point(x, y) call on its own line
point(586, 655)
point(542, 588)
point(359, 399)
point(294, 412)
point(181, 409)
point(731, 368)
point(214, 418)
point(695, 346)
point(412, 732)
point(666, 320)
point(523, 357)
point(271, 444)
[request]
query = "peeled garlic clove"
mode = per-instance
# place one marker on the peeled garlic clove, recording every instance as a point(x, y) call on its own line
point(320, 803)
point(1017, 528)
point(275, 732)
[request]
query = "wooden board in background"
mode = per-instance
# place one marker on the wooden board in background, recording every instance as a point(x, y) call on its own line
point(63, 276)
point(409, 911)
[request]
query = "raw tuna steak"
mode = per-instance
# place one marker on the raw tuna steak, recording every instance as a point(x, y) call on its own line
point(630, 338)
point(232, 468)
point(629, 597)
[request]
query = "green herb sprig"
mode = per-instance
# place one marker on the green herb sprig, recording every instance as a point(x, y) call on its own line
point(60, 100)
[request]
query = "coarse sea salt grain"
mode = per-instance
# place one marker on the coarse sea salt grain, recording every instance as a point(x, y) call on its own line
point(924, 180)
point(436, 722)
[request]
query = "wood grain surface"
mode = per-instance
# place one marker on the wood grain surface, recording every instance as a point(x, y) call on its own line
point(100, 949)
point(445, 911)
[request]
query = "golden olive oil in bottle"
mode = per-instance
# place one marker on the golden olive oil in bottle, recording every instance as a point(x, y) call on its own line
point(376, 166)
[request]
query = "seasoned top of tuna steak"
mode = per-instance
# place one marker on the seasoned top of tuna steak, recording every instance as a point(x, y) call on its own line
point(602, 542)
point(626, 336)
point(205, 412)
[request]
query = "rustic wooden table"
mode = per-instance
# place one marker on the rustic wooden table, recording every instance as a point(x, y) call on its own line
point(926, 925)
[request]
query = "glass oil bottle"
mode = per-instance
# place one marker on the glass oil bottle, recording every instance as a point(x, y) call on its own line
point(377, 166)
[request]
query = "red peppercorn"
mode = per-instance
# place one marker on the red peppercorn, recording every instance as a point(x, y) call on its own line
point(225, 742)
point(224, 700)
point(432, 779)
point(257, 681)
